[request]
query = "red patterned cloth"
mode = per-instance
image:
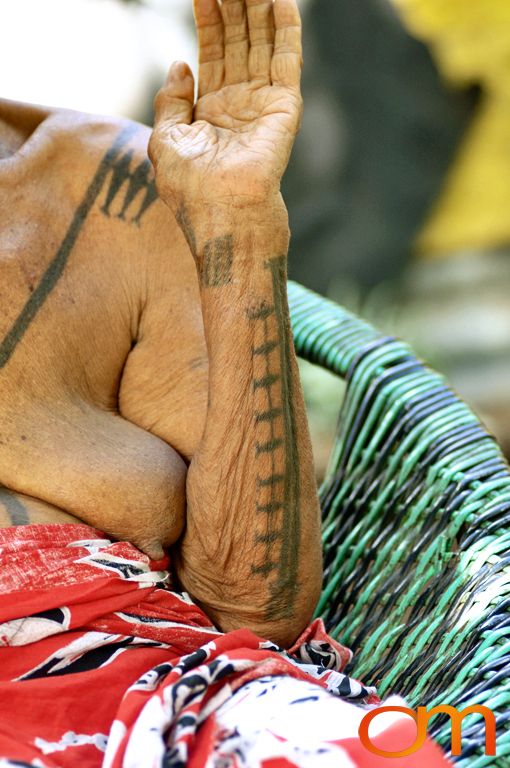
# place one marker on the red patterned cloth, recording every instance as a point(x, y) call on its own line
point(102, 664)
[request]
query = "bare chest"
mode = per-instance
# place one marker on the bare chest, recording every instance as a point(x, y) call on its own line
point(75, 288)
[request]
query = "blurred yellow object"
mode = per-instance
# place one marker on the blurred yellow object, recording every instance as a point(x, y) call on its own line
point(470, 40)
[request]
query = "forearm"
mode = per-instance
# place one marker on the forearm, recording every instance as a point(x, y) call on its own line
point(252, 552)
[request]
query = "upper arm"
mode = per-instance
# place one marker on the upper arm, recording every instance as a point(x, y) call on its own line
point(164, 382)
point(151, 276)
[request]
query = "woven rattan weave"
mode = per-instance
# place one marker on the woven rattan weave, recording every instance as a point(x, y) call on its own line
point(416, 511)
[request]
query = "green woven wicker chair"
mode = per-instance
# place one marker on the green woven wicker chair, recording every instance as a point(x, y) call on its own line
point(416, 529)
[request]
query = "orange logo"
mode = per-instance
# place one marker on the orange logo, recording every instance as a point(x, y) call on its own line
point(421, 717)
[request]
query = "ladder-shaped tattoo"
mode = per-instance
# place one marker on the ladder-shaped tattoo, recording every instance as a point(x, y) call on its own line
point(278, 482)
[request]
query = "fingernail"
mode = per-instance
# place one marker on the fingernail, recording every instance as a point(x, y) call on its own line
point(179, 70)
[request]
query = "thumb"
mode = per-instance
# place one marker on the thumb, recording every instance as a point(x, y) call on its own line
point(174, 102)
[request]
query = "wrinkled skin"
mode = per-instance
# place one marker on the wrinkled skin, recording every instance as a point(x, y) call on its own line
point(119, 369)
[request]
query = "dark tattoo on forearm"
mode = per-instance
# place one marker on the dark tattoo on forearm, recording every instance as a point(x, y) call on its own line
point(184, 222)
point(217, 261)
point(56, 267)
point(18, 515)
point(138, 183)
point(278, 488)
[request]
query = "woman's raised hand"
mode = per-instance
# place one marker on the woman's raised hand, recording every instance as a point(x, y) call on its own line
point(231, 146)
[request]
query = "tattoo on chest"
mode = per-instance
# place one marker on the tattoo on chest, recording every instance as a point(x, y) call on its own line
point(132, 189)
point(136, 190)
point(278, 482)
point(16, 511)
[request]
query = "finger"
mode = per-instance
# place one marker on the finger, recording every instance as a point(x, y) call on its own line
point(236, 41)
point(261, 32)
point(288, 54)
point(209, 24)
point(174, 102)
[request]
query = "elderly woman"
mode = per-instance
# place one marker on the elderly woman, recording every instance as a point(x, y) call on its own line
point(149, 399)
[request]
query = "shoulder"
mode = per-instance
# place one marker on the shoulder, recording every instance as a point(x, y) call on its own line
point(103, 161)
point(91, 135)
point(93, 139)
point(73, 155)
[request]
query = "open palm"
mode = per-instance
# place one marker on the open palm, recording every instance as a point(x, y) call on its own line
point(235, 142)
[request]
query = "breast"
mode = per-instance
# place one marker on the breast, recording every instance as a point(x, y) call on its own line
point(97, 467)
point(62, 354)
point(76, 276)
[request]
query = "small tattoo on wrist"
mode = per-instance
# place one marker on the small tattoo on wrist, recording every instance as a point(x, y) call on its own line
point(216, 267)
point(183, 220)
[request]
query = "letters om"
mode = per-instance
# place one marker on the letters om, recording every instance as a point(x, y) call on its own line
point(421, 718)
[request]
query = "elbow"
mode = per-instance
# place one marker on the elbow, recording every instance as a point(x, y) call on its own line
point(281, 625)
point(282, 632)
point(285, 632)
point(285, 629)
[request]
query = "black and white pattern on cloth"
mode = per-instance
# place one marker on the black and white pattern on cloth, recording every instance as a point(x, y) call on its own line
point(176, 710)
point(29, 629)
point(181, 710)
point(6, 763)
point(271, 717)
point(129, 570)
point(151, 679)
point(90, 651)
point(337, 683)
point(321, 660)
point(133, 618)
point(319, 653)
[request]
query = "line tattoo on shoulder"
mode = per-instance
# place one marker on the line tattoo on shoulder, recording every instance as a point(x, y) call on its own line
point(278, 483)
point(116, 166)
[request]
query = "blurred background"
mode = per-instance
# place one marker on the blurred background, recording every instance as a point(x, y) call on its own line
point(399, 186)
